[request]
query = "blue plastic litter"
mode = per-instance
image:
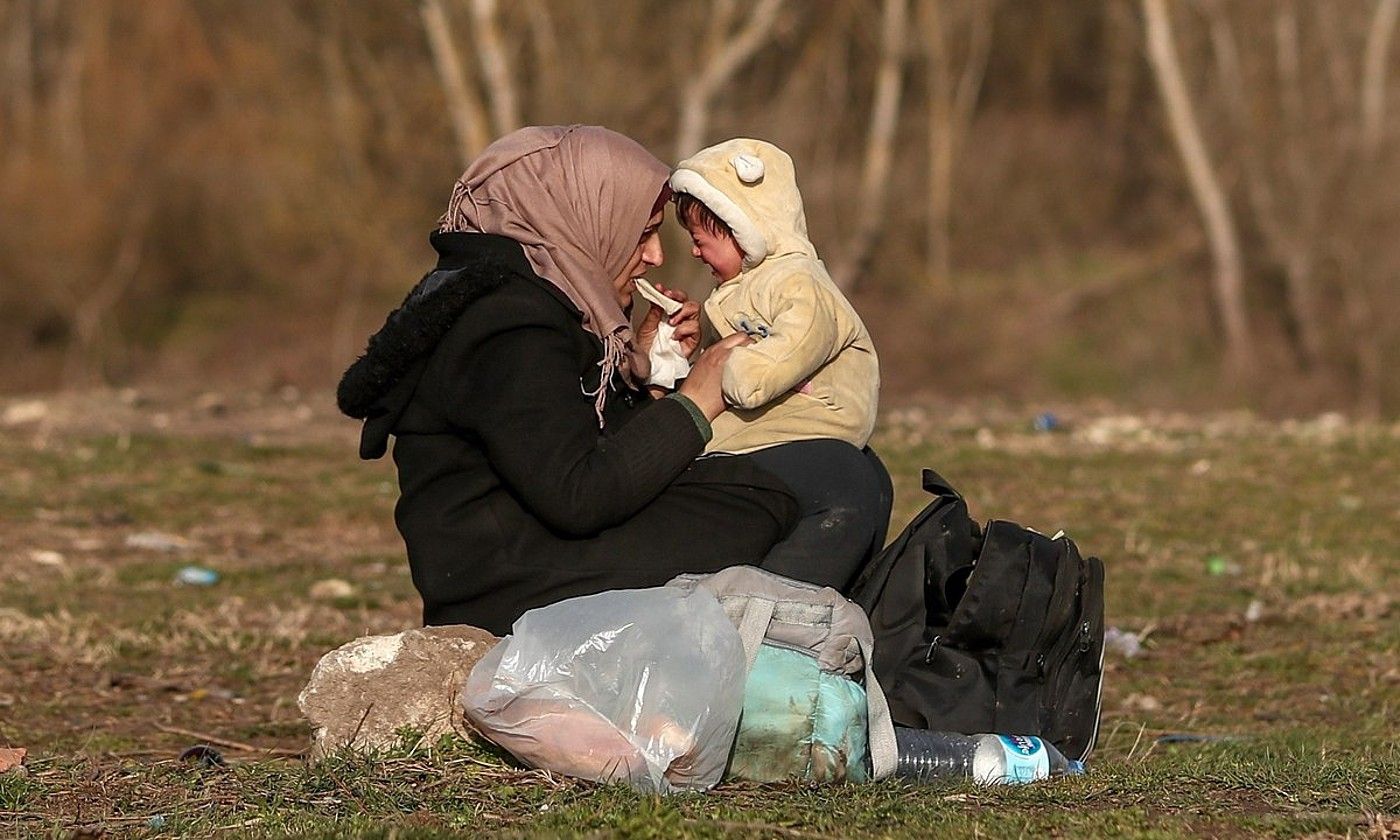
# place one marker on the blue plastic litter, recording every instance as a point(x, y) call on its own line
point(197, 576)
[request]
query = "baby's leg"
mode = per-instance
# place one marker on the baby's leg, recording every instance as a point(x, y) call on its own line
point(844, 497)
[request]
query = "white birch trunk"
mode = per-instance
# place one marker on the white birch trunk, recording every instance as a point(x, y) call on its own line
point(1373, 77)
point(1210, 198)
point(463, 105)
point(949, 116)
point(879, 147)
point(495, 69)
point(730, 54)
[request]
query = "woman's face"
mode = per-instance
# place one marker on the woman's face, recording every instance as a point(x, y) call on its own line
point(646, 255)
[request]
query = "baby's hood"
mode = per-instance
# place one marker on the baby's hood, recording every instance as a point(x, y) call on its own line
point(752, 186)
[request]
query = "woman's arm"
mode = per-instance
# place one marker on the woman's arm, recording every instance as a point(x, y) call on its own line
point(518, 392)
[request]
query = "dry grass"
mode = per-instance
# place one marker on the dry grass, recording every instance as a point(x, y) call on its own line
point(1257, 561)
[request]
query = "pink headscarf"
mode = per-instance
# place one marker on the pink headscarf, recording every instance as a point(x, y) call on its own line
point(577, 198)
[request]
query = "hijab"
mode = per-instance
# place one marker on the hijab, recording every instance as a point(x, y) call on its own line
point(576, 198)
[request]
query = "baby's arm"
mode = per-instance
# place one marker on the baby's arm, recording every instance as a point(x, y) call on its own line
point(802, 336)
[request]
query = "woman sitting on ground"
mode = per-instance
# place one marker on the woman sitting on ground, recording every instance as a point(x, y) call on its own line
point(534, 462)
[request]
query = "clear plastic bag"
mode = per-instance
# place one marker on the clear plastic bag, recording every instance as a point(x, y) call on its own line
point(643, 686)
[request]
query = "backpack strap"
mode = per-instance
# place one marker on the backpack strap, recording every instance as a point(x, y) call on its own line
point(753, 627)
point(938, 485)
point(884, 752)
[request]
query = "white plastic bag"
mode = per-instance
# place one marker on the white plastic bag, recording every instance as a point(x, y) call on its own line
point(643, 686)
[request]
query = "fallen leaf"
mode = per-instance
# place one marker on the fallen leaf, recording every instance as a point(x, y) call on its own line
point(11, 757)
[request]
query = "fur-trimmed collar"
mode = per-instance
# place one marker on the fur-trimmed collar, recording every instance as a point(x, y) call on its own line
point(470, 266)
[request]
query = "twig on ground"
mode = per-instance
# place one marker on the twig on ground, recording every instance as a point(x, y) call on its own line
point(225, 742)
point(1141, 731)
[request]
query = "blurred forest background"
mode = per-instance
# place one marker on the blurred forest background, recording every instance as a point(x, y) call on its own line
point(1176, 203)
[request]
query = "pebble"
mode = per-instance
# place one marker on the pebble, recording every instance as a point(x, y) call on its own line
point(1254, 611)
point(28, 411)
point(158, 541)
point(45, 557)
point(331, 589)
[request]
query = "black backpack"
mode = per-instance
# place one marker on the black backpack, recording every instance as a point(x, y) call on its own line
point(995, 629)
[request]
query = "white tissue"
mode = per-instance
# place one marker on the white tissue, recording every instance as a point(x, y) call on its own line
point(668, 361)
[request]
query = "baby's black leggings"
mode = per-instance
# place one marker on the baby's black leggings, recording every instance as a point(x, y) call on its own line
point(844, 497)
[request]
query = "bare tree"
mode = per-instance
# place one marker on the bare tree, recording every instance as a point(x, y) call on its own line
point(19, 72)
point(463, 103)
point(725, 52)
point(950, 111)
point(1210, 198)
point(92, 306)
point(495, 69)
point(1378, 38)
point(345, 113)
point(879, 146)
point(544, 42)
point(67, 99)
point(344, 104)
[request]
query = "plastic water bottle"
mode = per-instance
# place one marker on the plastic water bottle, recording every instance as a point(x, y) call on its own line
point(925, 755)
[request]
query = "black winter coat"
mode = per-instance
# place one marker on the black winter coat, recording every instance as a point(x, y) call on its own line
point(511, 496)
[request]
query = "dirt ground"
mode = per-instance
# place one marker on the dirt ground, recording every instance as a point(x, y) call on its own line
point(1256, 565)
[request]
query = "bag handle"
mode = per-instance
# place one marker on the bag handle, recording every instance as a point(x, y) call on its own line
point(884, 752)
point(753, 627)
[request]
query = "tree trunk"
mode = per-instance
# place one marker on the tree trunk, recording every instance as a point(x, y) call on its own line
point(1297, 262)
point(949, 115)
point(1374, 76)
point(463, 104)
point(495, 68)
point(67, 103)
point(1210, 198)
point(19, 61)
point(884, 121)
point(731, 53)
point(93, 307)
point(1120, 76)
point(544, 44)
point(344, 105)
point(1290, 242)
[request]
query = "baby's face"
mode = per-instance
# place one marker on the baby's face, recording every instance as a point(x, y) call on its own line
point(718, 251)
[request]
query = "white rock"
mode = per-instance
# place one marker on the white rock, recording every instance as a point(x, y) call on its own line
point(28, 411)
point(331, 589)
point(45, 557)
point(158, 541)
point(363, 693)
point(1254, 611)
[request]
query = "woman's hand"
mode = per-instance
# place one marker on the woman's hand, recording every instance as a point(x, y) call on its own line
point(703, 386)
point(686, 322)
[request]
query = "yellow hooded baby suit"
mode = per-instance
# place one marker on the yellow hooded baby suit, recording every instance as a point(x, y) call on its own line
point(812, 371)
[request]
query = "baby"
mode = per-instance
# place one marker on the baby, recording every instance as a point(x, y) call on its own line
point(805, 392)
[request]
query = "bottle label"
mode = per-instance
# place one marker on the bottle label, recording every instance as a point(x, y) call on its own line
point(1026, 758)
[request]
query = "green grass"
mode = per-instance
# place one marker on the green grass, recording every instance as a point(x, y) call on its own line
point(103, 650)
